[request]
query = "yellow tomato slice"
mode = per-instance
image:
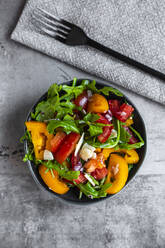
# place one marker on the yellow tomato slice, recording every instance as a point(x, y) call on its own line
point(117, 173)
point(53, 182)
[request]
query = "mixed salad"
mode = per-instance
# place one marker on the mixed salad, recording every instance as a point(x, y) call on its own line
point(82, 136)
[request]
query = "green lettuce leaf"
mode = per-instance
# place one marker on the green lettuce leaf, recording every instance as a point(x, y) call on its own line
point(105, 90)
point(54, 90)
point(91, 192)
point(91, 117)
point(133, 146)
point(110, 143)
point(68, 126)
point(95, 130)
point(63, 172)
point(130, 166)
point(124, 135)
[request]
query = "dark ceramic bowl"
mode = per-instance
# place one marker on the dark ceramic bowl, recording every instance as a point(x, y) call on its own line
point(73, 193)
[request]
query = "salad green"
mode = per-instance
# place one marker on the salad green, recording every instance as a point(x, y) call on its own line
point(57, 125)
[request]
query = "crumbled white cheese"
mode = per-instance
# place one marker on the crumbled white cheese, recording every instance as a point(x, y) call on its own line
point(48, 155)
point(79, 144)
point(87, 152)
point(89, 93)
point(94, 155)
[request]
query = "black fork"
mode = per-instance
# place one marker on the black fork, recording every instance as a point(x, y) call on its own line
point(72, 35)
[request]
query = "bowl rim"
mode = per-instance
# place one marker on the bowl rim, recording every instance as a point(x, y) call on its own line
point(90, 201)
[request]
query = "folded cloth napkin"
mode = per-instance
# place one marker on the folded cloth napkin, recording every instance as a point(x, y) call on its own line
point(134, 28)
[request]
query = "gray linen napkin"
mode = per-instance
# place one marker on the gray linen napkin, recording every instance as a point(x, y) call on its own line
point(134, 28)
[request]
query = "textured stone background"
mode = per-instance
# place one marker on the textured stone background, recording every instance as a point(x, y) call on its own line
point(31, 218)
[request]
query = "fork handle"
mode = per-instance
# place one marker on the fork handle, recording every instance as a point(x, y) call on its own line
point(126, 59)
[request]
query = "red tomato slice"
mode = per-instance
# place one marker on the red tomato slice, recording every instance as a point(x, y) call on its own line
point(67, 147)
point(56, 141)
point(106, 130)
point(102, 119)
point(124, 113)
point(76, 163)
point(114, 106)
point(105, 135)
point(99, 174)
point(82, 100)
point(81, 178)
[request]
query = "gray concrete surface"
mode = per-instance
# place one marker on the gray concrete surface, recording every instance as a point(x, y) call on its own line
point(30, 217)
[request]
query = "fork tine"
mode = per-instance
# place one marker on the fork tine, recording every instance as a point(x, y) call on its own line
point(41, 17)
point(60, 39)
point(47, 26)
point(49, 16)
point(51, 31)
point(61, 33)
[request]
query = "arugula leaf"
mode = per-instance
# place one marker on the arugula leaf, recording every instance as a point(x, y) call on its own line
point(68, 118)
point(61, 112)
point(106, 186)
point(102, 181)
point(46, 109)
point(110, 143)
point(87, 189)
point(91, 86)
point(74, 82)
point(54, 90)
point(94, 130)
point(124, 135)
point(32, 115)
point(62, 171)
point(68, 104)
point(26, 136)
point(68, 125)
point(133, 146)
point(28, 156)
point(70, 90)
point(130, 166)
point(91, 117)
point(91, 192)
point(85, 82)
point(107, 89)
point(30, 153)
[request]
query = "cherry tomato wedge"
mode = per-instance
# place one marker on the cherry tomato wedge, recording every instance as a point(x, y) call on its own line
point(124, 112)
point(82, 100)
point(102, 119)
point(67, 147)
point(99, 174)
point(114, 106)
point(81, 178)
point(106, 130)
point(105, 135)
point(56, 141)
